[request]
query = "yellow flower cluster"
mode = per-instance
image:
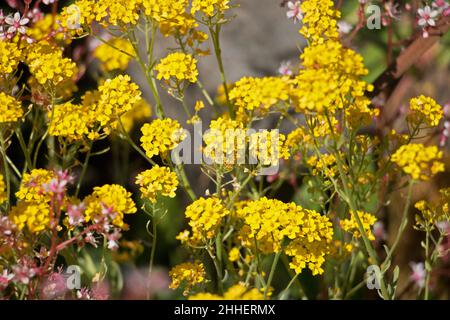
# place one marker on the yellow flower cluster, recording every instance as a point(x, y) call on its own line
point(111, 198)
point(419, 161)
point(164, 10)
point(425, 110)
point(205, 215)
point(161, 136)
point(432, 212)
point(268, 222)
point(225, 141)
point(187, 274)
point(48, 65)
point(177, 67)
point(210, 7)
point(351, 225)
point(157, 181)
point(330, 79)
point(3, 195)
point(319, 20)
point(236, 292)
point(116, 54)
point(34, 215)
point(10, 108)
point(325, 165)
point(70, 121)
point(259, 93)
point(10, 56)
point(267, 147)
point(43, 28)
point(116, 96)
point(32, 186)
point(80, 13)
point(117, 12)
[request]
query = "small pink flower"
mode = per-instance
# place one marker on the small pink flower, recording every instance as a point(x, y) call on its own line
point(344, 27)
point(285, 68)
point(295, 12)
point(418, 274)
point(76, 214)
point(379, 231)
point(427, 16)
point(47, 2)
point(441, 5)
point(5, 278)
point(16, 23)
point(113, 239)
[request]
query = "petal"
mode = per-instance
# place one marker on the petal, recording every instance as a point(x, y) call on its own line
point(9, 20)
point(17, 17)
point(24, 21)
point(431, 22)
point(290, 14)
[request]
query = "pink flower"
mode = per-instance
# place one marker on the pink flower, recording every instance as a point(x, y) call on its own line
point(76, 214)
point(441, 5)
point(285, 68)
point(16, 23)
point(5, 278)
point(418, 273)
point(344, 27)
point(379, 231)
point(113, 239)
point(48, 1)
point(427, 16)
point(295, 12)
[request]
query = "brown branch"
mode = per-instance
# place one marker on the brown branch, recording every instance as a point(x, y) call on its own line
point(389, 79)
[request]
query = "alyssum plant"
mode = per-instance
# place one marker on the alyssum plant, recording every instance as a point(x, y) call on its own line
point(238, 235)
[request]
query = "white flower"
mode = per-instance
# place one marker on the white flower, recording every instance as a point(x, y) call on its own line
point(344, 27)
point(48, 1)
point(418, 273)
point(427, 16)
point(295, 12)
point(17, 24)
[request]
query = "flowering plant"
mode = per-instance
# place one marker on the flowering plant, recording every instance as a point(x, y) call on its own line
point(320, 128)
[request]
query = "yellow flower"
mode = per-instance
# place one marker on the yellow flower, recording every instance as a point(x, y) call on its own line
point(69, 121)
point(225, 141)
point(164, 10)
point(113, 199)
point(3, 195)
point(157, 180)
point(351, 225)
point(48, 65)
point(319, 20)
point(112, 54)
point(269, 222)
point(236, 292)
point(187, 274)
point(432, 212)
point(32, 186)
point(268, 147)
point(34, 215)
point(117, 12)
point(49, 24)
point(210, 7)
point(116, 97)
point(234, 254)
point(161, 136)
point(259, 94)
point(78, 14)
point(10, 56)
point(419, 161)
point(205, 216)
point(177, 67)
point(10, 108)
point(425, 110)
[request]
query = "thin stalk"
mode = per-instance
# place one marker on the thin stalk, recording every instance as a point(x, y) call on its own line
point(272, 272)
point(23, 146)
point(152, 256)
point(6, 168)
point(83, 169)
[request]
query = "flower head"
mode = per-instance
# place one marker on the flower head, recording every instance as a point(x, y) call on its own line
point(427, 16)
point(161, 136)
point(157, 181)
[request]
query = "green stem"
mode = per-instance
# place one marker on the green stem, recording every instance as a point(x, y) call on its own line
point(24, 148)
point(6, 168)
point(272, 272)
point(152, 256)
point(84, 168)
point(218, 53)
